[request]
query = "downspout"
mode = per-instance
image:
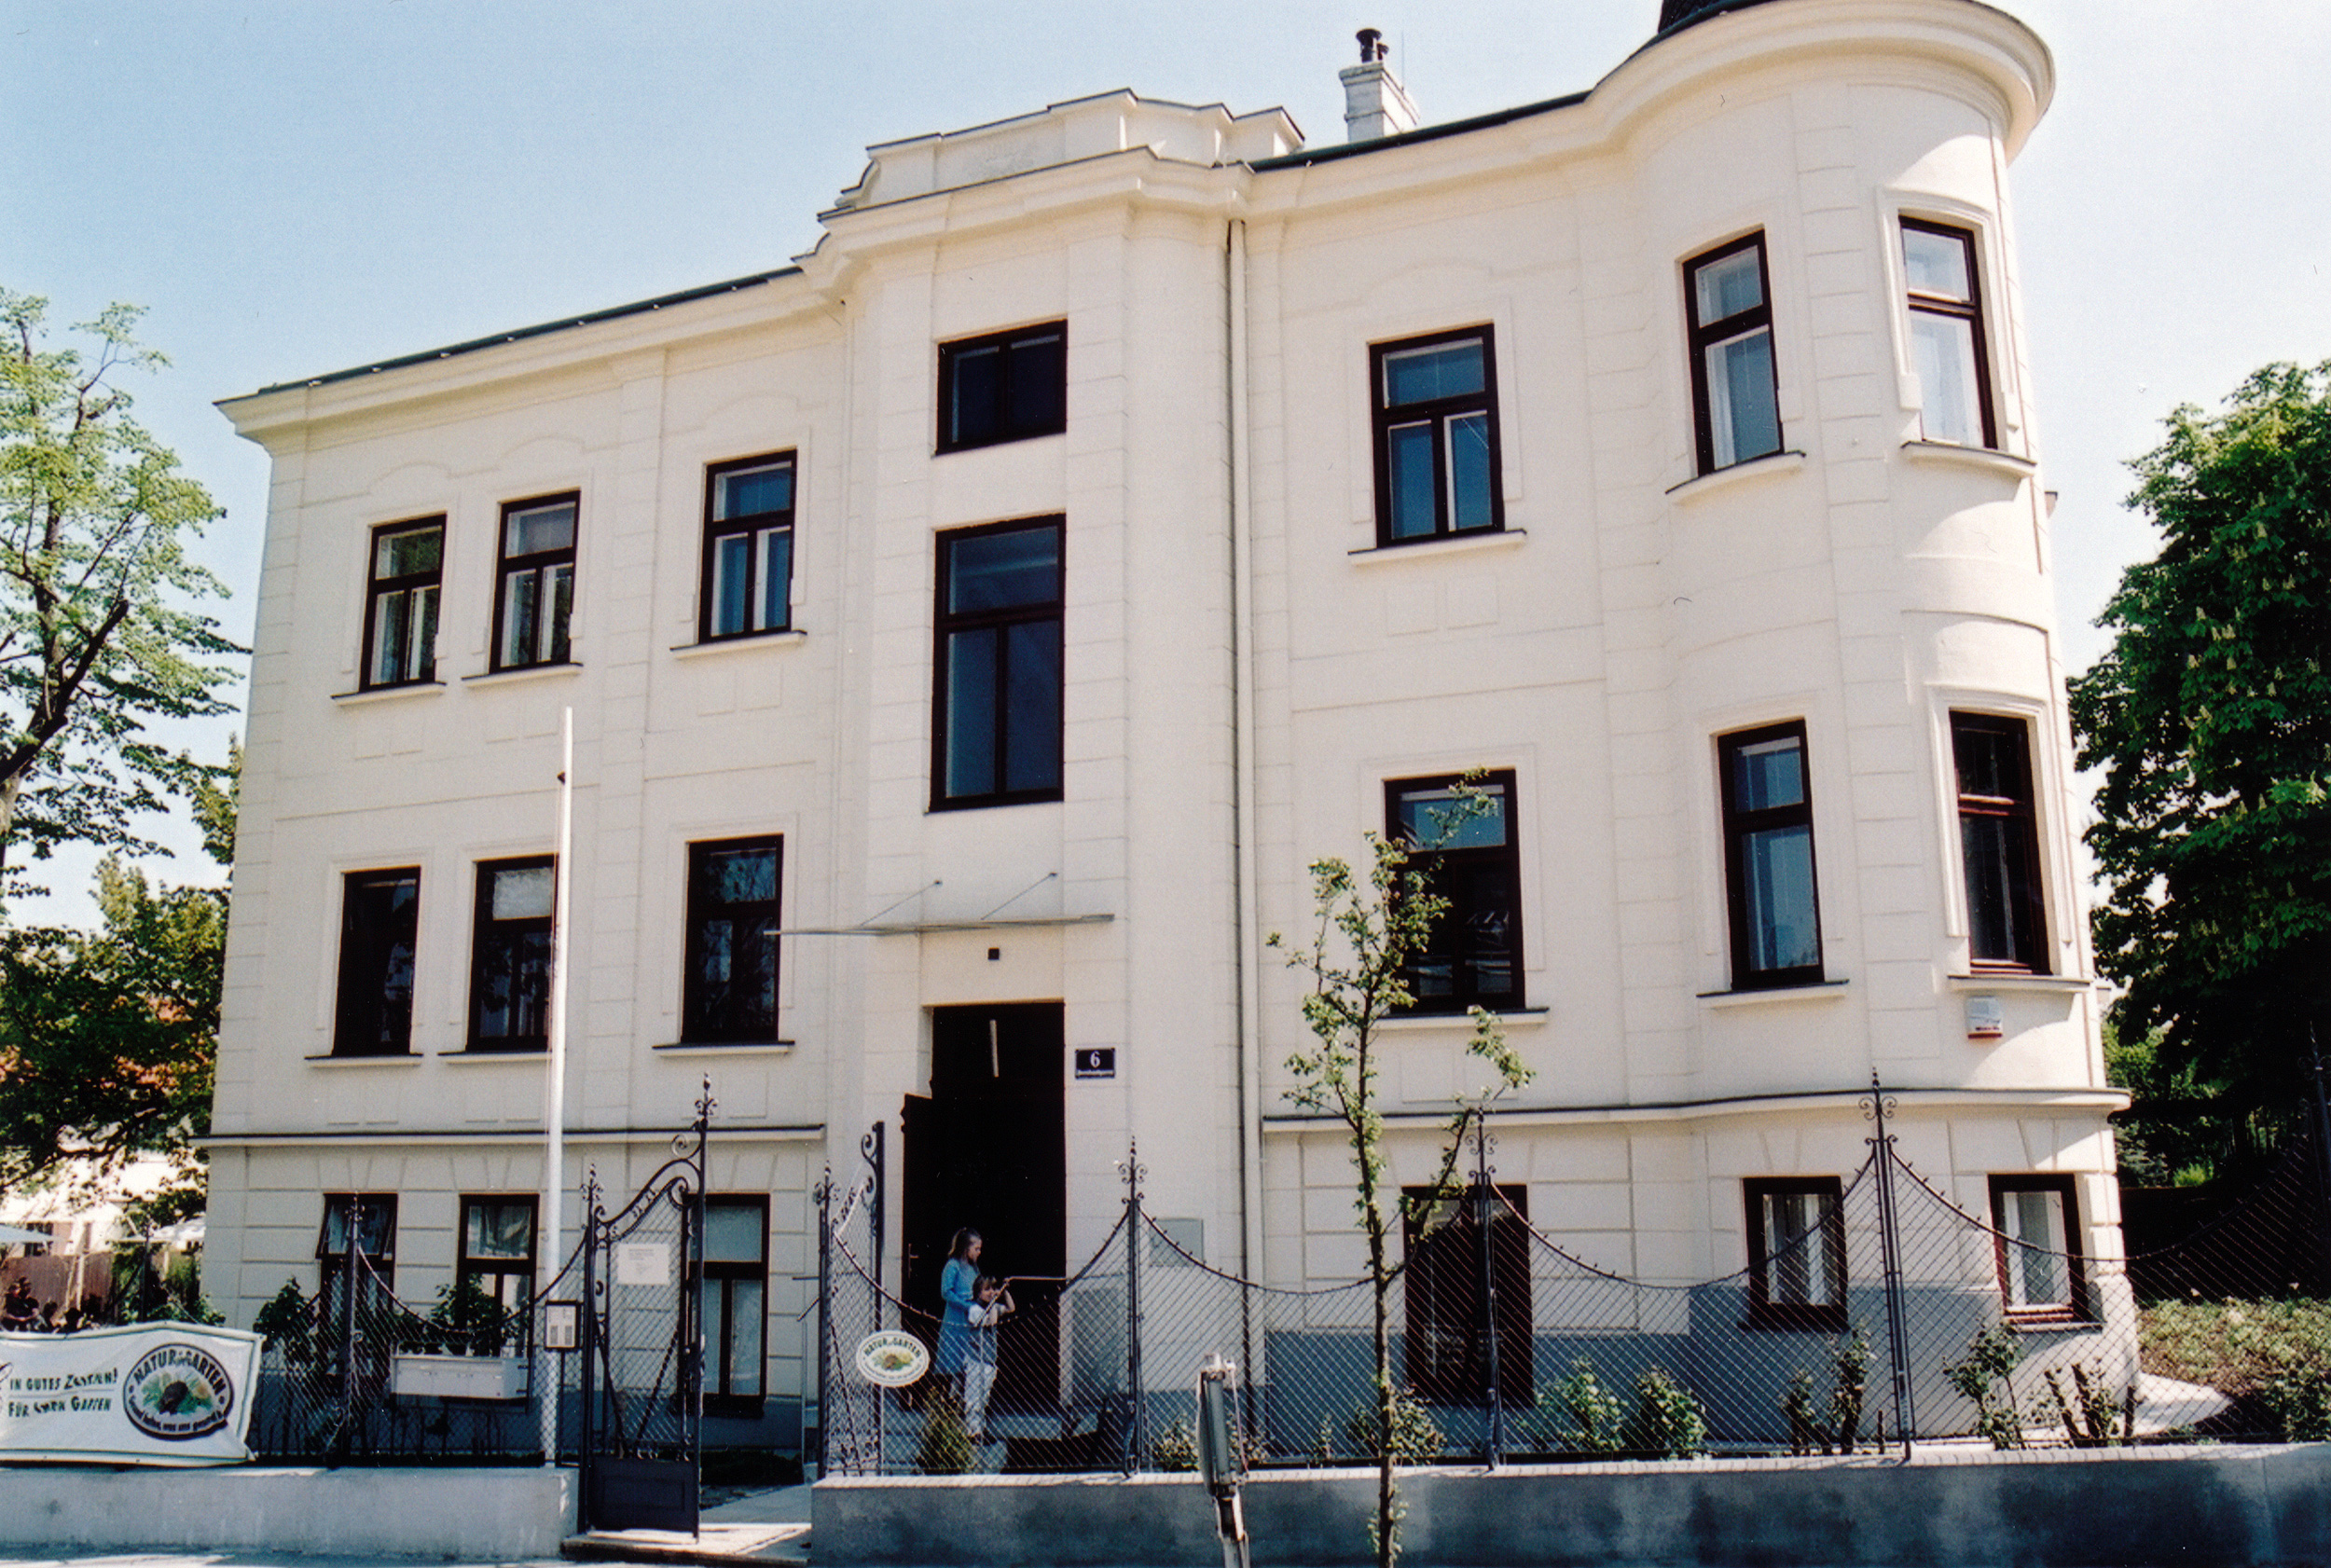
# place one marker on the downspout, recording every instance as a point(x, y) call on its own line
point(1247, 965)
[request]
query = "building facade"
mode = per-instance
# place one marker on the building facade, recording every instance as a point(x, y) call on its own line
point(973, 632)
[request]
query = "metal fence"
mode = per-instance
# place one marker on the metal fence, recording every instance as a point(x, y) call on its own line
point(1877, 1312)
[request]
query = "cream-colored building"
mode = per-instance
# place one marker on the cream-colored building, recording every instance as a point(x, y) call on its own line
point(1123, 506)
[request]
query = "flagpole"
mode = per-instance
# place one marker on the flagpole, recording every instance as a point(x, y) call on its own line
point(552, 1250)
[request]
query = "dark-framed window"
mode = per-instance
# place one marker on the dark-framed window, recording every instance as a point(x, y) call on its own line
point(2042, 1276)
point(2007, 921)
point(996, 726)
point(1450, 1299)
point(730, 989)
point(748, 546)
point(380, 929)
point(534, 592)
point(400, 603)
point(1774, 903)
point(509, 988)
point(1796, 1252)
point(497, 1258)
point(1436, 424)
point(1736, 386)
point(375, 1240)
point(1470, 856)
point(1007, 385)
point(1946, 304)
point(734, 1297)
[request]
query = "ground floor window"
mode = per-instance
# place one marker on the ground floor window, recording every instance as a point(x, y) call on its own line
point(497, 1264)
point(2038, 1247)
point(374, 1215)
point(735, 1302)
point(1796, 1252)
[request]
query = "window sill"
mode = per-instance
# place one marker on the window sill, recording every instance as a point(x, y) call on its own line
point(1819, 991)
point(1771, 465)
point(1983, 459)
point(726, 1047)
point(1794, 1320)
point(1409, 1022)
point(2051, 1323)
point(466, 1056)
point(388, 693)
point(524, 672)
point(384, 1059)
point(791, 637)
point(1442, 544)
point(2014, 981)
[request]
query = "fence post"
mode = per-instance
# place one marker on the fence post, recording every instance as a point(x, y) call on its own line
point(1484, 1214)
point(871, 1149)
point(1135, 1443)
point(586, 1434)
point(1876, 1107)
point(824, 1196)
point(351, 1257)
point(2322, 1140)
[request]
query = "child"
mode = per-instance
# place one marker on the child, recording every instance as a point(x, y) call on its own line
point(991, 1302)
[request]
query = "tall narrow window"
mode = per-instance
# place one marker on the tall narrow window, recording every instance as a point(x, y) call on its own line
point(509, 1008)
point(730, 993)
point(379, 920)
point(374, 1216)
point(1768, 857)
point(1451, 1300)
point(1735, 390)
point(735, 1283)
point(2006, 925)
point(2038, 1247)
point(1467, 849)
point(748, 547)
point(536, 596)
point(1796, 1252)
point(1005, 386)
point(1947, 334)
point(1436, 437)
point(996, 732)
point(401, 611)
point(498, 1262)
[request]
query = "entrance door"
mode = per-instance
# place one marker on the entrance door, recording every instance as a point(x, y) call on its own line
point(988, 1149)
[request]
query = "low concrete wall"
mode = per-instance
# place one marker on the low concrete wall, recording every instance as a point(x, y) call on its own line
point(2221, 1505)
point(490, 1515)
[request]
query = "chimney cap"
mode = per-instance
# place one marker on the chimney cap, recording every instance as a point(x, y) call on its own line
point(1372, 46)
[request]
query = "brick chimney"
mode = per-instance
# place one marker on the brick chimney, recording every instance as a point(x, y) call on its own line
point(1374, 102)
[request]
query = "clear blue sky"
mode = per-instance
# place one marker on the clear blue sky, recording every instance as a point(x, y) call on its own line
point(292, 186)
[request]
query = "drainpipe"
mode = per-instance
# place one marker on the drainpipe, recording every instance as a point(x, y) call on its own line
point(1248, 964)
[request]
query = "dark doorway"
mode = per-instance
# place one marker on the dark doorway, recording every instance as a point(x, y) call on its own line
point(988, 1149)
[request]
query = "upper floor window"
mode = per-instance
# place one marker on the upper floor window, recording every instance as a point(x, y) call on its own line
point(2006, 922)
point(1462, 836)
point(1775, 908)
point(1947, 334)
point(536, 595)
point(2038, 1247)
point(509, 988)
point(1004, 387)
point(401, 608)
point(1436, 437)
point(1796, 1252)
point(995, 730)
point(748, 547)
point(498, 1262)
point(379, 921)
point(730, 990)
point(1735, 390)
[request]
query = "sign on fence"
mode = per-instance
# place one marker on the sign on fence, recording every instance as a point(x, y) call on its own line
point(172, 1394)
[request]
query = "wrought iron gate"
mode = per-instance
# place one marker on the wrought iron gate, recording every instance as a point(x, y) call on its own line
point(643, 1345)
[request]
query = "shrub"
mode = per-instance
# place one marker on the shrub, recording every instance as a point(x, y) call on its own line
point(1415, 1438)
point(1835, 1429)
point(1579, 1415)
point(1668, 1420)
point(1983, 1377)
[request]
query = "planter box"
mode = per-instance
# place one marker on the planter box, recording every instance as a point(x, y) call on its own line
point(461, 1377)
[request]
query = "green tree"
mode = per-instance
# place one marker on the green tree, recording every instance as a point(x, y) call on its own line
point(2211, 717)
point(101, 625)
point(107, 1039)
point(1364, 940)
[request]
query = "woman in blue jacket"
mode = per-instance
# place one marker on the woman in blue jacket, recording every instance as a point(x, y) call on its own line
point(958, 1283)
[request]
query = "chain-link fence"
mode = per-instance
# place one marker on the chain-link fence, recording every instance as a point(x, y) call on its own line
point(1876, 1309)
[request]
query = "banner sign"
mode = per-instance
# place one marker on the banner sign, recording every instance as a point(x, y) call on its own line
point(149, 1393)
